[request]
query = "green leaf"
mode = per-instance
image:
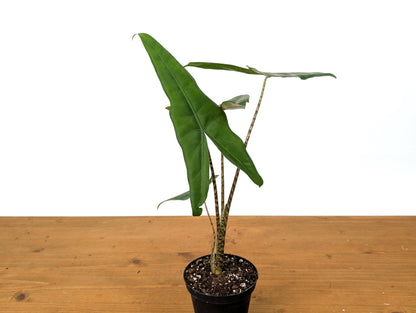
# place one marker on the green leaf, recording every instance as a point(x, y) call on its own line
point(183, 196)
point(301, 75)
point(178, 84)
point(238, 102)
point(222, 66)
point(253, 71)
point(194, 115)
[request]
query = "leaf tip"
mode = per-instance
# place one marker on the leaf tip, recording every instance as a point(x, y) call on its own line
point(141, 35)
point(260, 182)
point(196, 211)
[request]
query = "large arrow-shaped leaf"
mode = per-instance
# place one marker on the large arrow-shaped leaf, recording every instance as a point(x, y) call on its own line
point(193, 115)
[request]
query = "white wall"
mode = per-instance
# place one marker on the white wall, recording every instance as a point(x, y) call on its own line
point(83, 129)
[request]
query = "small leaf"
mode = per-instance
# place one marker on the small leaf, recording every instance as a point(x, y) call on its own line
point(238, 102)
point(183, 196)
point(253, 71)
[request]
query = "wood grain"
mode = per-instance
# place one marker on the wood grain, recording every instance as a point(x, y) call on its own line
point(135, 264)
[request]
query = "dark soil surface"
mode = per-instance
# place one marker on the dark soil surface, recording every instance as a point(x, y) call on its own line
point(238, 275)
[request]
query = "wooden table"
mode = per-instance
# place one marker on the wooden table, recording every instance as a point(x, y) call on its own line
point(135, 264)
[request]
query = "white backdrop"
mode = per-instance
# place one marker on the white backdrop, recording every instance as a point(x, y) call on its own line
point(83, 129)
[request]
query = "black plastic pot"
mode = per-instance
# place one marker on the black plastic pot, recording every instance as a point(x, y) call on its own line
point(205, 303)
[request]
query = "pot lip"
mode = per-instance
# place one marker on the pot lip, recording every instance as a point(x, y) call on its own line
point(248, 290)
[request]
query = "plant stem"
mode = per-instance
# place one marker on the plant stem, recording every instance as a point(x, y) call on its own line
point(256, 112)
point(237, 172)
point(214, 185)
point(221, 231)
point(212, 260)
point(222, 184)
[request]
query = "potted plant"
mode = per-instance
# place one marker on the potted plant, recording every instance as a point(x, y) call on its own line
point(218, 282)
